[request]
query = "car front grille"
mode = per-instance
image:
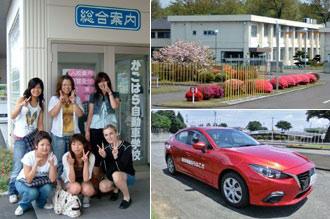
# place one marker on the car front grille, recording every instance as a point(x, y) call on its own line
point(304, 179)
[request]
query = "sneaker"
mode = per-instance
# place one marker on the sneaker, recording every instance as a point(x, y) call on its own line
point(48, 206)
point(125, 204)
point(19, 211)
point(13, 199)
point(114, 196)
point(86, 202)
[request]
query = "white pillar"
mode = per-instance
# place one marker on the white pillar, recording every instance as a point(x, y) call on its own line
point(300, 41)
point(261, 31)
point(270, 40)
point(293, 42)
point(286, 46)
point(317, 43)
point(323, 43)
point(246, 39)
point(312, 46)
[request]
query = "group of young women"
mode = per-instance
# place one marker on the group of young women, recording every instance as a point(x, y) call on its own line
point(65, 156)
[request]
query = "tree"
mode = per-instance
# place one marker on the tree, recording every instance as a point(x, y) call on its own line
point(254, 126)
point(321, 114)
point(223, 124)
point(184, 53)
point(159, 122)
point(156, 10)
point(283, 125)
point(321, 9)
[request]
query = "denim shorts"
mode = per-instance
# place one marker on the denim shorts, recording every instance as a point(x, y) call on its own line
point(130, 180)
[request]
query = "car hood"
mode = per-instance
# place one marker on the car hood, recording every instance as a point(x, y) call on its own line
point(273, 157)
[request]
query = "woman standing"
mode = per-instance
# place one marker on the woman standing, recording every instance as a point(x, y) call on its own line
point(64, 108)
point(101, 112)
point(39, 163)
point(78, 165)
point(27, 116)
point(118, 165)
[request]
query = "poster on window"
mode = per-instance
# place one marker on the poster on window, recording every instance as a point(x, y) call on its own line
point(83, 81)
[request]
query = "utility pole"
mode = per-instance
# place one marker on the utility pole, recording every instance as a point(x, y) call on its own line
point(272, 129)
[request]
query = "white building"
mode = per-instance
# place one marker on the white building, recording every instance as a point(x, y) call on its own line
point(160, 33)
point(45, 38)
point(325, 49)
point(247, 35)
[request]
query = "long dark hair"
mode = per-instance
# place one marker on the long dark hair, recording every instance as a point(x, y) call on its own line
point(82, 139)
point(60, 82)
point(32, 84)
point(99, 77)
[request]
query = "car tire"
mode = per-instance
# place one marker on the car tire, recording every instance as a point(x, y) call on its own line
point(170, 165)
point(234, 190)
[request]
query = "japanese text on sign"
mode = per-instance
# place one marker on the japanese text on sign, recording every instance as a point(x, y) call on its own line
point(109, 18)
point(136, 110)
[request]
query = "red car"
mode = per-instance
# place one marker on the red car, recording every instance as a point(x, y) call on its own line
point(245, 171)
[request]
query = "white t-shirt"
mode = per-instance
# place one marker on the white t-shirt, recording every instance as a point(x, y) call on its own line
point(66, 168)
point(29, 159)
point(27, 120)
point(57, 125)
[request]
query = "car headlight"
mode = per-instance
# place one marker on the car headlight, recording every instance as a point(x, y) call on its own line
point(268, 172)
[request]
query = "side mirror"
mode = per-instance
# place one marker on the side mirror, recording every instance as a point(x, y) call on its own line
point(199, 146)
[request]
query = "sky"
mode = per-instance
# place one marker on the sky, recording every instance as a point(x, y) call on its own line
point(165, 3)
point(240, 118)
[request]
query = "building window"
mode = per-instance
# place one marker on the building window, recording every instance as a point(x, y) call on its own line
point(282, 31)
point(153, 34)
point(296, 33)
point(274, 30)
point(209, 32)
point(164, 34)
point(254, 30)
point(194, 32)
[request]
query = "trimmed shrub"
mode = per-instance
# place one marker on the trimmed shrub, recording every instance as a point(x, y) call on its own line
point(206, 76)
point(282, 82)
point(305, 79)
point(220, 77)
point(263, 86)
point(206, 91)
point(233, 86)
point(316, 75)
point(218, 91)
point(290, 80)
point(198, 95)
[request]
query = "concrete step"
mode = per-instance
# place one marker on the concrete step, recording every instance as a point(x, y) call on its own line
point(104, 208)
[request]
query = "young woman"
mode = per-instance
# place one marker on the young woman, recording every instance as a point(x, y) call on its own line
point(27, 116)
point(40, 162)
point(78, 165)
point(118, 166)
point(101, 112)
point(64, 108)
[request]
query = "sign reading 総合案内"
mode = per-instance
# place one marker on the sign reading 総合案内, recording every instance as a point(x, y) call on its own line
point(107, 17)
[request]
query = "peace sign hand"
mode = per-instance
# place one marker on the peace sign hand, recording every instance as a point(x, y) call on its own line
point(102, 151)
point(72, 97)
point(70, 159)
point(62, 97)
point(85, 156)
point(107, 89)
point(51, 160)
point(25, 101)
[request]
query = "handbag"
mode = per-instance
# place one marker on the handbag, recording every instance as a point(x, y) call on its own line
point(29, 140)
point(66, 203)
point(37, 181)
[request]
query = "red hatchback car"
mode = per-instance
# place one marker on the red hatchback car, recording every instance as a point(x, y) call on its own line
point(245, 171)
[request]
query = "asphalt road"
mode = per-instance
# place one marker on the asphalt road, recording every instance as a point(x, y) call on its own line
point(317, 97)
point(184, 197)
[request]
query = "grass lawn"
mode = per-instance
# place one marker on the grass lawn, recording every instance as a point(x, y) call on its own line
point(5, 168)
point(311, 146)
point(166, 89)
point(153, 214)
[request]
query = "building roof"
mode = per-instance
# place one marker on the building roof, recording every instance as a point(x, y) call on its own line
point(242, 18)
point(160, 24)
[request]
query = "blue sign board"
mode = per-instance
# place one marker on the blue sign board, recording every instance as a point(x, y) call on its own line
point(108, 18)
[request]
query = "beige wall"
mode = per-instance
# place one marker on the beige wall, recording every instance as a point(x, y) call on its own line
point(63, 27)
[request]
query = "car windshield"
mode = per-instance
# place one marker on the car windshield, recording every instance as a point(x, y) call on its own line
point(227, 138)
